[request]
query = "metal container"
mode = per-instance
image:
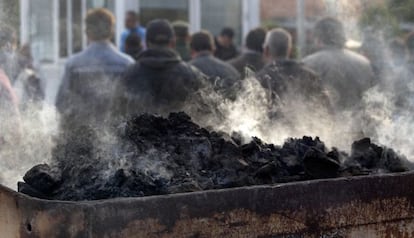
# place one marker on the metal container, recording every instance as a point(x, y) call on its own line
point(372, 206)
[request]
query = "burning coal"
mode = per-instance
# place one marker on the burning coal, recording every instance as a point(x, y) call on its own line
point(151, 155)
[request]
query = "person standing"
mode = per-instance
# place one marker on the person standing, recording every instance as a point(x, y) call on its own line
point(160, 81)
point(287, 79)
point(345, 74)
point(132, 27)
point(225, 48)
point(87, 86)
point(182, 34)
point(252, 58)
point(221, 75)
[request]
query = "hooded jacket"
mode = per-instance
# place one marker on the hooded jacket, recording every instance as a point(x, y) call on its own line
point(160, 82)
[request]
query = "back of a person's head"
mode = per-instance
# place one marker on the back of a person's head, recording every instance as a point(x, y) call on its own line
point(133, 41)
point(330, 32)
point(278, 42)
point(181, 29)
point(202, 41)
point(100, 24)
point(255, 39)
point(159, 33)
point(227, 32)
point(7, 35)
point(409, 42)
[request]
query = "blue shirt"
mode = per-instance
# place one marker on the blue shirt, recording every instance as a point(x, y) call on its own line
point(141, 31)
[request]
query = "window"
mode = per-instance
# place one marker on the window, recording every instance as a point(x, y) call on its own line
point(41, 30)
point(171, 10)
point(216, 14)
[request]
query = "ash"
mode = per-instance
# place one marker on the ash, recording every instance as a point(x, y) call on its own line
point(151, 155)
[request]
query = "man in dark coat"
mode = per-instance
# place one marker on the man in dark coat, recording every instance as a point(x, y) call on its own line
point(225, 48)
point(252, 58)
point(87, 86)
point(287, 79)
point(160, 82)
point(222, 75)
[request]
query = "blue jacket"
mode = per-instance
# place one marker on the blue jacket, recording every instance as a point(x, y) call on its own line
point(138, 30)
point(87, 86)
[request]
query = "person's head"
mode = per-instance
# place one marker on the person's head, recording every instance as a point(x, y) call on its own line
point(133, 42)
point(330, 32)
point(131, 19)
point(202, 42)
point(160, 34)
point(226, 37)
point(255, 39)
point(278, 44)
point(8, 38)
point(181, 30)
point(409, 42)
point(100, 24)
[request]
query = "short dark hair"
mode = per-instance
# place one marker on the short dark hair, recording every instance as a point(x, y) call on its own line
point(133, 40)
point(100, 24)
point(255, 39)
point(279, 42)
point(330, 31)
point(159, 32)
point(181, 29)
point(227, 31)
point(202, 41)
point(133, 14)
point(7, 35)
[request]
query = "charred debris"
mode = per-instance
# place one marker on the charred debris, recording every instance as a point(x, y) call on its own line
point(152, 155)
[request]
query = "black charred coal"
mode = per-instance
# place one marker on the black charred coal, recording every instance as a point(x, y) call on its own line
point(151, 155)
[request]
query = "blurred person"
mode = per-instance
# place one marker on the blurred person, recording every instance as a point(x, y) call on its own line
point(182, 34)
point(345, 74)
point(160, 81)
point(398, 53)
point(288, 79)
point(28, 85)
point(252, 58)
point(225, 48)
point(132, 27)
point(89, 77)
point(375, 50)
point(222, 75)
point(10, 118)
point(133, 45)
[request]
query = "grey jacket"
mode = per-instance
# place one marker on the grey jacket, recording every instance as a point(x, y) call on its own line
point(87, 87)
point(221, 75)
point(345, 74)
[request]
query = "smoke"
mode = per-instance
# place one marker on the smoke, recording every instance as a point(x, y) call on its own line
point(27, 141)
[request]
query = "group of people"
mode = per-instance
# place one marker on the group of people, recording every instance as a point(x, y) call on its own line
point(162, 68)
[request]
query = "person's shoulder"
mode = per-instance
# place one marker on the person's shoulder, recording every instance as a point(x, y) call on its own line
point(356, 57)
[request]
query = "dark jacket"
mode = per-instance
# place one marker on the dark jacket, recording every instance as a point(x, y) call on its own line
point(221, 75)
point(288, 78)
point(252, 60)
point(88, 83)
point(160, 82)
point(225, 53)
